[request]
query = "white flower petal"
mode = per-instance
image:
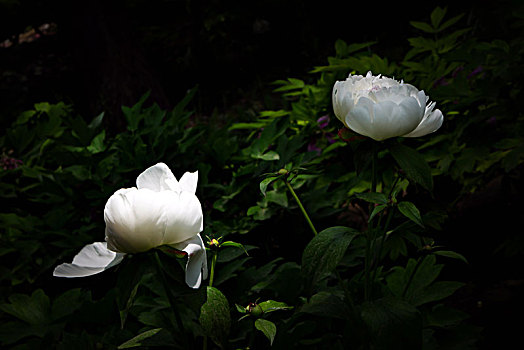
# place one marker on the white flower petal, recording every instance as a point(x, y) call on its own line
point(157, 178)
point(360, 118)
point(92, 259)
point(432, 122)
point(196, 268)
point(383, 126)
point(184, 217)
point(136, 219)
point(188, 182)
point(380, 107)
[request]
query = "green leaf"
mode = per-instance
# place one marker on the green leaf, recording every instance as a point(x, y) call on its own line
point(437, 15)
point(34, 309)
point(372, 197)
point(410, 211)
point(267, 327)
point(269, 155)
point(324, 252)
point(422, 26)
point(264, 183)
point(95, 123)
point(326, 304)
point(377, 210)
point(436, 291)
point(415, 166)
point(97, 144)
point(137, 341)
point(271, 305)
point(451, 254)
point(234, 244)
point(393, 324)
point(214, 316)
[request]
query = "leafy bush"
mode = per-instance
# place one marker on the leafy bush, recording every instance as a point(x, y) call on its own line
point(369, 277)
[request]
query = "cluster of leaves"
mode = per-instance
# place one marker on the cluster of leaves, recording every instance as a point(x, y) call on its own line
point(321, 291)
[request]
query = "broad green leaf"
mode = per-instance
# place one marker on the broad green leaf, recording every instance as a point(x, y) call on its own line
point(324, 252)
point(393, 324)
point(214, 316)
point(137, 341)
point(234, 244)
point(34, 309)
point(267, 327)
point(410, 211)
point(271, 305)
point(326, 304)
point(415, 166)
point(434, 292)
point(372, 197)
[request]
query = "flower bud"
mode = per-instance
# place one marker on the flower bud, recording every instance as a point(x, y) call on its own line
point(254, 309)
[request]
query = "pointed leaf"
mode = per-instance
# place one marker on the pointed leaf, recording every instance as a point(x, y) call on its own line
point(271, 305)
point(372, 197)
point(267, 327)
point(137, 341)
point(410, 211)
point(415, 166)
point(324, 252)
point(264, 183)
point(450, 254)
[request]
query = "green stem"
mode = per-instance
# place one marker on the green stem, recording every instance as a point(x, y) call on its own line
point(211, 280)
point(301, 207)
point(169, 294)
point(406, 287)
point(212, 272)
point(369, 236)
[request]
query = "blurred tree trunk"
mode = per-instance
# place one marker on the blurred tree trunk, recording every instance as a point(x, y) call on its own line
point(108, 66)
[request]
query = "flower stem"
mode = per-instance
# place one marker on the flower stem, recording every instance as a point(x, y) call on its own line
point(310, 223)
point(169, 294)
point(212, 272)
point(370, 233)
point(211, 279)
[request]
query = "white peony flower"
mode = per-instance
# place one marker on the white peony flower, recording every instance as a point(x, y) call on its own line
point(381, 107)
point(159, 211)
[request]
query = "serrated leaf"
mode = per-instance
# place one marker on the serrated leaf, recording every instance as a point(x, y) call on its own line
point(324, 252)
point(137, 341)
point(415, 166)
point(410, 211)
point(267, 327)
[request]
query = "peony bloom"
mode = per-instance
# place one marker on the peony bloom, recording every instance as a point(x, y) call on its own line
point(381, 107)
point(159, 211)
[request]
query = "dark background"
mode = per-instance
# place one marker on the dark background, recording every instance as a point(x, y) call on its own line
point(108, 53)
